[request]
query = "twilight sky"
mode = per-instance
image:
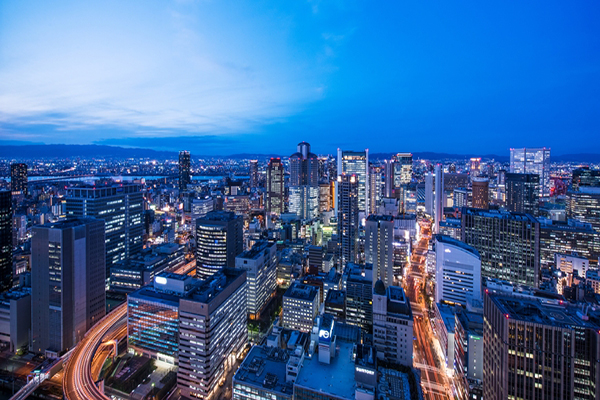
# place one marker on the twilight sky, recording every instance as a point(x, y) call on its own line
point(222, 77)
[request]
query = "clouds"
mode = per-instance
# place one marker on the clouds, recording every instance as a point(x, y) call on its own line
point(150, 67)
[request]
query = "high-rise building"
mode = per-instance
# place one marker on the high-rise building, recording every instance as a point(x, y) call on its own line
point(375, 189)
point(253, 173)
point(429, 194)
point(260, 264)
point(304, 183)
point(357, 163)
point(440, 197)
point(475, 167)
point(481, 192)
point(219, 240)
point(538, 348)
point(18, 178)
point(533, 161)
point(325, 197)
point(379, 247)
point(185, 176)
point(6, 241)
point(275, 174)
point(121, 208)
point(583, 177)
point(358, 284)
point(402, 170)
point(213, 332)
point(584, 205)
point(300, 307)
point(392, 324)
point(460, 197)
point(508, 243)
point(348, 223)
point(522, 193)
point(568, 237)
point(457, 271)
point(68, 271)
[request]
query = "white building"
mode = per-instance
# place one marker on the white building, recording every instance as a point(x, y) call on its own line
point(569, 263)
point(260, 264)
point(458, 271)
point(300, 307)
point(392, 324)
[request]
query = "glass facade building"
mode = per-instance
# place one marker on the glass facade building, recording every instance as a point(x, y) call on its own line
point(533, 161)
point(357, 163)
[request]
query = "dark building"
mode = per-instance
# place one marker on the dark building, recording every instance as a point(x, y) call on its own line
point(18, 178)
point(6, 241)
point(304, 183)
point(453, 180)
point(184, 170)
point(68, 270)
point(522, 193)
point(584, 205)
point(253, 173)
point(275, 188)
point(348, 222)
point(583, 177)
point(335, 304)
point(219, 240)
point(508, 243)
point(481, 192)
point(358, 284)
point(566, 238)
point(120, 206)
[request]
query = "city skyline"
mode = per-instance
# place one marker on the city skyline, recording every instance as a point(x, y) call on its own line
point(209, 76)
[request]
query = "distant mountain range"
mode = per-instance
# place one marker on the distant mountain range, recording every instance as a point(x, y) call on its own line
point(90, 150)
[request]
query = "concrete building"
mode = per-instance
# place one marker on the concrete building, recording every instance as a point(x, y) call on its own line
point(458, 271)
point(481, 192)
point(444, 321)
point(572, 263)
point(219, 240)
point(468, 353)
point(253, 172)
point(392, 324)
point(300, 307)
point(568, 237)
point(348, 218)
point(379, 247)
point(440, 197)
point(260, 264)
point(68, 270)
point(584, 205)
point(6, 241)
point(18, 178)
point(375, 188)
point(357, 281)
point(15, 318)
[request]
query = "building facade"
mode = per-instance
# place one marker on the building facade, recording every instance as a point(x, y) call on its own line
point(219, 240)
point(18, 178)
point(348, 219)
point(185, 176)
point(300, 307)
point(522, 193)
point(6, 241)
point(533, 161)
point(275, 201)
point(379, 247)
point(357, 163)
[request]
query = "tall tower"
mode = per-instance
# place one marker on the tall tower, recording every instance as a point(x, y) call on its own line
point(439, 196)
point(275, 173)
point(67, 282)
point(357, 163)
point(348, 222)
point(379, 247)
point(375, 189)
point(475, 167)
point(219, 240)
point(18, 178)
point(304, 183)
point(481, 193)
point(253, 173)
point(522, 193)
point(6, 271)
point(429, 198)
point(533, 161)
point(184, 170)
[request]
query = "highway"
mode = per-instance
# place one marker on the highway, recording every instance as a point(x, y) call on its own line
point(434, 380)
point(83, 367)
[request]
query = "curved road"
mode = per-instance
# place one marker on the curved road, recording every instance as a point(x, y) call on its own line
point(78, 383)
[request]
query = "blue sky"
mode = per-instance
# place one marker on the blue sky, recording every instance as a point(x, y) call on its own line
point(221, 77)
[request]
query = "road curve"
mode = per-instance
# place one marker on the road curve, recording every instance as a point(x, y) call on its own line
point(78, 383)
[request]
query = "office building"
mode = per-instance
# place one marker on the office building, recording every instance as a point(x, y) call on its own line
point(375, 188)
point(253, 169)
point(6, 241)
point(429, 194)
point(468, 353)
point(402, 169)
point(533, 161)
point(481, 192)
point(275, 173)
point(584, 205)
point(444, 318)
point(325, 197)
point(458, 271)
point(455, 180)
point(300, 307)
point(392, 324)
point(68, 272)
point(358, 284)
point(585, 177)
point(474, 167)
point(15, 318)
point(185, 176)
point(335, 304)
point(440, 197)
point(348, 222)
point(536, 348)
point(304, 183)
point(379, 247)
point(568, 237)
point(508, 244)
point(356, 163)
point(120, 206)
point(200, 208)
point(522, 193)
point(18, 178)
point(219, 240)
point(260, 264)
point(460, 197)
point(572, 264)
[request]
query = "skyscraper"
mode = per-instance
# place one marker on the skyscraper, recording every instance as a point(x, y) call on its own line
point(260, 264)
point(522, 193)
point(402, 170)
point(184, 170)
point(18, 178)
point(304, 183)
point(6, 241)
point(275, 173)
point(379, 247)
point(583, 177)
point(357, 163)
point(439, 196)
point(348, 222)
point(121, 208)
point(429, 198)
point(375, 189)
point(584, 205)
point(219, 240)
point(253, 173)
point(533, 161)
point(481, 192)
point(68, 270)
point(475, 166)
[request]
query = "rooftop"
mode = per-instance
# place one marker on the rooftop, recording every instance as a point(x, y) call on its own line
point(337, 297)
point(457, 243)
point(500, 214)
point(257, 250)
point(447, 313)
point(265, 367)
point(301, 291)
point(374, 217)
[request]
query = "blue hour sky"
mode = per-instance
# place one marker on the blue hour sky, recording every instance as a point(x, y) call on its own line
point(222, 77)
